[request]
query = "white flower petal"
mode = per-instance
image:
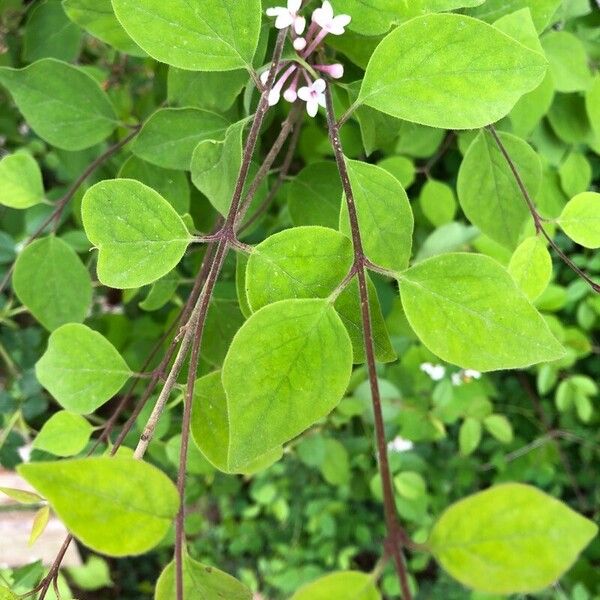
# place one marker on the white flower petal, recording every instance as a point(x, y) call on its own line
point(300, 25)
point(304, 94)
point(319, 18)
point(312, 107)
point(319, 85)
point(276, 11)
point(294, 5)
point(342, 20)
point(322, 100)
point(284, 20)
point(327, 10)
point(274, 97)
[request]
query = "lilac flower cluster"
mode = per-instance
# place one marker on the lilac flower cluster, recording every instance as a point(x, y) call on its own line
point(300, 83)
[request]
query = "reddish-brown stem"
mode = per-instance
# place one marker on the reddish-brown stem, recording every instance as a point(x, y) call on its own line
point(198, 317)
point(397, 537)
point(283, 172)
point(537, 218)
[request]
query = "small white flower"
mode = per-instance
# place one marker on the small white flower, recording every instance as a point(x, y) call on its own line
point(399, 444)
point(299, 44)
point(457, 379)
point(314, 96)
point(471, 374)
point(435, 372)
point(287, 17)
point(328, 22)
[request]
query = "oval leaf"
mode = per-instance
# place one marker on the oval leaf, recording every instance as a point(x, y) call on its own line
point(64, 105)
point(287, 367)
point(340, 586)
point(81, 368)
point(467, 75)
point(531, 267)
point(52, 282)
point(124, 506)
point(200, 581)
point(214, 35)
point(63, 434)
point(468, 311)
point(580, 219)
point(303, 262)
point(21, 183)
point(488, 191)
point(139, 234)
point(169, 136)
point(384, 215)
point(509, 539)
point(210, 427)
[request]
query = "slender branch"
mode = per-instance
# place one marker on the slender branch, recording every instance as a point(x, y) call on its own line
point(62, 203)
point(537, 218)
point(286, 129)
point(187, 410)
point(285, 168)
point(426, 168)
point(397, 537)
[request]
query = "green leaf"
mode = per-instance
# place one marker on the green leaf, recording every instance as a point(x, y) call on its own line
point(467, 75)
point(124, 506)
point(64, 105)
point(542, 11)
point(21, 496)
point(210, 428)
point(21, 184)
point(580, 219)
point(592, 103)
point(348, 307)
point(485, 174)
point(52, 282)
point(568, 61)
point(296, 359)
point(532, 107)
point(499, 426)
point(469, 436)
point(341, 585)
point(172, 185)
point(315, 195)
point(169, 136)
point(98, 18)
point(410, 484)
point(511, 538)
point(139, 235)
point(49, 34)
point(161, 292)
point(487, 322)
point(63, 434)
point(303, 262)
point(384, 215)
point(40, 520)
point(575, 174)
point(216, 165)
point(531, 267)
point(335, 467)
point(81, 369)
point(438, 202)
point(200, 581)
point(210, 91)
point(520, 26)
point(220, 35)
point(6, 594)
point(93, 575)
